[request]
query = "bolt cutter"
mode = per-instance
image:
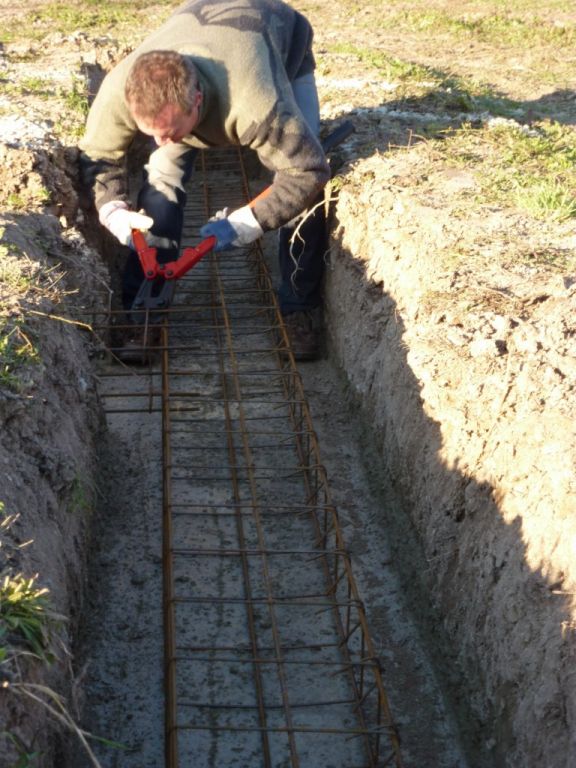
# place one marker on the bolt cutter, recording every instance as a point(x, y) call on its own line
point(157, 289)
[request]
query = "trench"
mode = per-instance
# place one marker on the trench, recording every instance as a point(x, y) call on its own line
point(284, 633)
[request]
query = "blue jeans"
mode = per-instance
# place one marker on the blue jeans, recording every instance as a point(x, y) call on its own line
point(302, 262)
point(163, 197)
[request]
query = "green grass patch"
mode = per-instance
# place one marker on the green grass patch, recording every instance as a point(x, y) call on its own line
point(76, 97)
point(15, 201)
point(532, 169)
point(11, 273)
point(27, 757)
point(37, 86)
point(17, 350)
point(502, 28)
point(393, 69)
point(25, 615)
point(76, 107)
point(80, 499)
point(67, 17)
point(547, 199)
point(427, 88)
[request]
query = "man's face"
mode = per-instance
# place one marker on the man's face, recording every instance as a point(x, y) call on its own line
point(171, 124)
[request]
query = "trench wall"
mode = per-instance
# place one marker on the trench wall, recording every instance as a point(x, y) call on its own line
point(49, 425)
point(482, 460)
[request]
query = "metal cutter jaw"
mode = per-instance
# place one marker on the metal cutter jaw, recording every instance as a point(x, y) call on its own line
point(152, 297)
point(157, 290)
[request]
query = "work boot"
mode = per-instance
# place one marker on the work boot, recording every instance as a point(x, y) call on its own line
point(138, 344)
point(303, 332)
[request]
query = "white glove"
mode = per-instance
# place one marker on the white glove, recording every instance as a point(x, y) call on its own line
point(232, 230)
point(246, 226)
point(120, 220)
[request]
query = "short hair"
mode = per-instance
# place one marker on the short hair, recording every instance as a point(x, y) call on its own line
point(158, 78)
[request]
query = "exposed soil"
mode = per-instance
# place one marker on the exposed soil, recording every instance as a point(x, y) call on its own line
point(459, 388)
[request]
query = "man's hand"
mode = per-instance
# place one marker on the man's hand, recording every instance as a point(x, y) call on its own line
point(120, 221)
point(232, 230)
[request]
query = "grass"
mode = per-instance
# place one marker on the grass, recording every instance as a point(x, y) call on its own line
point(26, 616)
point(427, 88)
point(532, 169)
point(76, 97)
point(502, 27)
point(76, 106)
point(99, 16)
point(12, 275)
point(40, 87)
point(18, 202)
point(74, 110)
point(548, 200)
point(80, 500)
point(16, 351)
point(26, 757)
point(517, 23)
point(527, 48)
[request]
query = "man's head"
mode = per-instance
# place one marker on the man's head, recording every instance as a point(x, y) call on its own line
point(163, 95)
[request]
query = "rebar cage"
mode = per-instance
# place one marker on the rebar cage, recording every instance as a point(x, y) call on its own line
point(268, 655)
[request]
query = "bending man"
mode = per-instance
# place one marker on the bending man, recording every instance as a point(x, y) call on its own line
point(217, 73)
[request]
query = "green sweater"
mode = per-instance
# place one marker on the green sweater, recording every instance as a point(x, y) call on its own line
point(246, 53)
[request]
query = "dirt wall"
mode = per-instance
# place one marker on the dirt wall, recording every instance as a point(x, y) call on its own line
point(469, 391)
point(49, 423)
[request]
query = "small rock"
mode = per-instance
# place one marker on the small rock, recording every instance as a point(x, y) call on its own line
point(487, 347)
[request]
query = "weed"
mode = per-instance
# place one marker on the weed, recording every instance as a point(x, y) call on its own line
point(11, 273)
point(547, 199)
point(26, 758)
point(16, 350)
point(15, 202)
point(27, 624)
point(390, 67)
point(37, 86)
point(36, 195)
point(25, 614)
point(75, 101)
point(76, 98)
point(536, 168)
point(79, 498)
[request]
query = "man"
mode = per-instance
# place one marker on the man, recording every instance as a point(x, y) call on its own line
point(218, 73)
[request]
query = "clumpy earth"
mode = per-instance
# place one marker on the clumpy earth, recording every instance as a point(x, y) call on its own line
point(455, 335)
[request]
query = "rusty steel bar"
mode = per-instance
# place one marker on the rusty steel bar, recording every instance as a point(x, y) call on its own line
point(170, 704)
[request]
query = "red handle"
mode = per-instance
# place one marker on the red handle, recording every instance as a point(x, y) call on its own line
point(146, 254)
point(188, 259)
point(173, 269)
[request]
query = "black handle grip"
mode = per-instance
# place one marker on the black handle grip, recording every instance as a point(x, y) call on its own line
point(337, 136)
